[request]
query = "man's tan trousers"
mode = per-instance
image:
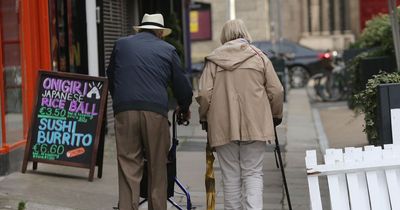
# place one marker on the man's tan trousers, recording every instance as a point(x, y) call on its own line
point(136, 132)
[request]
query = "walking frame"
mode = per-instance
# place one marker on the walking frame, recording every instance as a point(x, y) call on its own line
point(171, 170)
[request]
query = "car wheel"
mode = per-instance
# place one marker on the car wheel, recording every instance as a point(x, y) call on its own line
point(298, 76)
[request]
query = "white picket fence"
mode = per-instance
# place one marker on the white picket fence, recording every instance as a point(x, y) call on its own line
point(357, 179)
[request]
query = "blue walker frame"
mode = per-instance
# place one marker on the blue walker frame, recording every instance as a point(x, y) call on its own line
point(172, 151)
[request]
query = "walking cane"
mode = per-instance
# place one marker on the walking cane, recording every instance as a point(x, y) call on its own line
point(277, 152)
point(210, 179)
point(209, 176)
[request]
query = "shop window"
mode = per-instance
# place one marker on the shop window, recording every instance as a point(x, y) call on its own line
point(68, 36)
point(11, 70)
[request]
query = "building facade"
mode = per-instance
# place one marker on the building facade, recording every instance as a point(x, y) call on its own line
point(75, 36)
point(328, 24)
point(318, 24)
point(24, 50)
point(254, 15)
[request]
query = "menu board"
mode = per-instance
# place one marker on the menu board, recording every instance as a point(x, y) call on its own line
point(66, 119)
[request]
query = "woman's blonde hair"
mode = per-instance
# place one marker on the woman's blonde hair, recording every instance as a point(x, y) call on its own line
point(234, 29)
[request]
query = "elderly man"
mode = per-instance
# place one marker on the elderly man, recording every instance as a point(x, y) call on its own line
point(141, 67)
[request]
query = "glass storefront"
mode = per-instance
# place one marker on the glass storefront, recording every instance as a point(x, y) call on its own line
point(68, 36)
point(11, 70)
point(68, 45)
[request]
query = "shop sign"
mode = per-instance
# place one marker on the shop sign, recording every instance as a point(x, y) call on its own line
point(200, 21)
point(67, 119)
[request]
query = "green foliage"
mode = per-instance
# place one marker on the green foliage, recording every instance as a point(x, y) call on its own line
point(22, 205)
point(354, 72)
point(377, 33)
point(175, 38)
point(366, 102)
point(376, 36)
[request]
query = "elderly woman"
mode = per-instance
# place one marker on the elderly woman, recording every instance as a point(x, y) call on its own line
point(241, 99)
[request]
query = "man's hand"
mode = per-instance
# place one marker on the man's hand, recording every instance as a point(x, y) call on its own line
point(183, 118)
point(277, 121)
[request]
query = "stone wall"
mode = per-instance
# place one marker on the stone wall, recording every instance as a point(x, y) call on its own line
point(12, 161)
point(254, 15)
point(296, 23)
point(292, 18)
point(318, 23)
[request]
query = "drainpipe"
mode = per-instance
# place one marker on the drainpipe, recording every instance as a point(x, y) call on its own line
point(232, 9)
point(395, 29)
point(186, 36)
point(91, 28)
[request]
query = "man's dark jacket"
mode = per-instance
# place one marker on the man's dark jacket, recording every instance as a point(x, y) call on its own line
point(141, 67)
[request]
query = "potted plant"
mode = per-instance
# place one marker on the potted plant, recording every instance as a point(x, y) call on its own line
point(367, 102)
point(378, 40)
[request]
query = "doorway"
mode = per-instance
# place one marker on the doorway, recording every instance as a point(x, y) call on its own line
point(68, 36)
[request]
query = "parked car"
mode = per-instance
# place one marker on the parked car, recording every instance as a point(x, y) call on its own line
point(302, 62)
point(278, 62)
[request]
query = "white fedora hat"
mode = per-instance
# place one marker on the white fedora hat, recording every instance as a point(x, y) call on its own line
point(153, 21)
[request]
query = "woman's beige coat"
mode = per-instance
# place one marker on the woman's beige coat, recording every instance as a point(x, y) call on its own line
point(239, 94)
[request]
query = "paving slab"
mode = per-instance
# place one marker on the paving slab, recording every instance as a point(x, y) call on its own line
point(343, 127)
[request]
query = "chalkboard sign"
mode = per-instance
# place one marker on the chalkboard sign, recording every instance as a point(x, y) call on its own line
point(66, 120)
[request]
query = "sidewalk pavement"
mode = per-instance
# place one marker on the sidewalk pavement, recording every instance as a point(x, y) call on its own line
point(342, 127)
point(57, 187)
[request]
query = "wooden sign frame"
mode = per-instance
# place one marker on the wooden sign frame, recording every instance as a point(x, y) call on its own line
point(94, 156)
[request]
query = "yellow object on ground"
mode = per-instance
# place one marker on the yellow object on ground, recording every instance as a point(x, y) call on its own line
point(210, 179)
